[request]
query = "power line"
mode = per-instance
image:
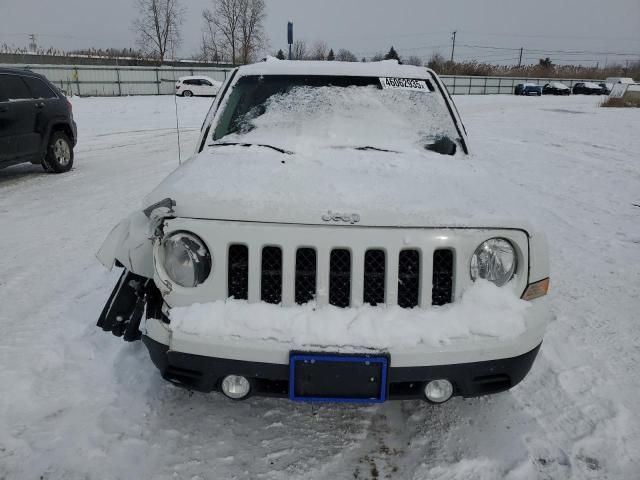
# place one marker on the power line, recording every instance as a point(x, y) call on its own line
point(549, 51)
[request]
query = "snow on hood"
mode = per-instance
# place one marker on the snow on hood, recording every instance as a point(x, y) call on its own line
point(417, 188)
point(484, 310)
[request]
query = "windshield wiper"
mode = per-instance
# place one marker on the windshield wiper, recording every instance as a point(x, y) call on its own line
point(377, 149)
point(231, 144)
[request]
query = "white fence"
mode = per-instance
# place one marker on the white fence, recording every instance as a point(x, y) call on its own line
point(112, 81)
point(115, 81)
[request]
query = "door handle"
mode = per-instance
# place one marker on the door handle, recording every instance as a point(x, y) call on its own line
point(40, 105)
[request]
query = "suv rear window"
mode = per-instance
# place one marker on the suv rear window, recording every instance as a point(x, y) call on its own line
point(14, 87)
point(39, 89)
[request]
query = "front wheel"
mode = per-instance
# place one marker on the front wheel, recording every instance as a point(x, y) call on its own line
point(59, 157)
point(187, 93)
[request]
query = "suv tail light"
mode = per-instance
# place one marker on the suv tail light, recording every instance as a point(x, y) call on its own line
point(69, 104)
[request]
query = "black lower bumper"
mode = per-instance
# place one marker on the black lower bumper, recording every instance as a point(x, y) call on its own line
point(205, 374)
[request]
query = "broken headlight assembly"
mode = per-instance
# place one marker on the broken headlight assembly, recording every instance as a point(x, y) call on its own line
point(185, 259)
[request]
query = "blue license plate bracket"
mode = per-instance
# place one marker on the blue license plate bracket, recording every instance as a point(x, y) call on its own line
point(327, 377)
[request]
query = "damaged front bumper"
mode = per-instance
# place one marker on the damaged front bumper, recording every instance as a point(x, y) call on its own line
point(205, 374)
point(474, 366)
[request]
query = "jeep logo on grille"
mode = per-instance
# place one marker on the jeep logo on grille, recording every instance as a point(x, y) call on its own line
point(341, 217)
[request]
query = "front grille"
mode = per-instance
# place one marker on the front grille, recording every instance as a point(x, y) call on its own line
point(442, 282)
point(374, 277)
point(408, 278)
point(238, 272)
point(271, 282)
point(340, 278)
point(307, 279)
point(305, 275)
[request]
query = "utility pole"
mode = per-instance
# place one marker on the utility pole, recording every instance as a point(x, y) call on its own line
point(520, 59)
point(33, 45)
point(290, 36)
point(453, 46)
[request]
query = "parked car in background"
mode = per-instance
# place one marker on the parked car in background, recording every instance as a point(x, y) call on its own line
point(605, 88)
point(587, 88)
point(556, 88)
point(36, 122)
point(197, 86)
point(528, 89)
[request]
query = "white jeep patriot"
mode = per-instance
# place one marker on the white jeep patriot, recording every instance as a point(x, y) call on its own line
point(331, 239)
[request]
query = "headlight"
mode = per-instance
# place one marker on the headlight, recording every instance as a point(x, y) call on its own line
point(494, 260)
point(186, 259)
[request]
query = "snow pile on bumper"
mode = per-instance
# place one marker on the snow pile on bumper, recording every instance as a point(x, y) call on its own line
point(484, 311)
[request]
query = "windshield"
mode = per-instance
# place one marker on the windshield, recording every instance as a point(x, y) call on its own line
point(306, 112)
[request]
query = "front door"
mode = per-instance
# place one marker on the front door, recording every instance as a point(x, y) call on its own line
point(20, 117)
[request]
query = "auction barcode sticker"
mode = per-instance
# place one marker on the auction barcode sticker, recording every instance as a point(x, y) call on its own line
point(404, 83)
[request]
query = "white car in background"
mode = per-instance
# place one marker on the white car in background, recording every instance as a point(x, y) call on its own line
point(332, 240)
point(197, 85)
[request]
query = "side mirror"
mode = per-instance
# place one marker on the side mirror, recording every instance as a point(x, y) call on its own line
point(443, 145)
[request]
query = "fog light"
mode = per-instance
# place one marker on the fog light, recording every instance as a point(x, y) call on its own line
point(235, 387)
point(438, 391)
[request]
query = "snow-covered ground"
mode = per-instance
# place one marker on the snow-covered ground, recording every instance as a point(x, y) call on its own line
point(77, 403)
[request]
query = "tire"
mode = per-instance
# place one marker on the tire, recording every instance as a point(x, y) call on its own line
point(59, 157)
point(187, 93)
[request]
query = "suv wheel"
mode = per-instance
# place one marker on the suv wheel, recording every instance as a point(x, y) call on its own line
point(59, 157)
point(187, 93)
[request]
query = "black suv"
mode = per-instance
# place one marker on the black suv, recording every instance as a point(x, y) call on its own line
point(36, 123)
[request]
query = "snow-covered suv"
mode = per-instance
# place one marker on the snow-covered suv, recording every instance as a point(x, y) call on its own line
point(331, 240)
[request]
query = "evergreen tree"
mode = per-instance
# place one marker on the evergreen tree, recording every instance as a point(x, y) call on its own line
point(280, 55)
point(331, 56)
point(392, 54)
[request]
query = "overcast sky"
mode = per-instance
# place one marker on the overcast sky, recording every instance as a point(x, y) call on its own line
point(600, 28)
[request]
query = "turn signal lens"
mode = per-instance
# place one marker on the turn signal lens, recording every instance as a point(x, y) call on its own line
point(536, 290)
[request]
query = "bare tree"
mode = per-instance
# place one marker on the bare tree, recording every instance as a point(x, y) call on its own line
point(378, 57)
point(252, 36)
point(235, 29)
point(299, 50)
point(319, 51)
point(225, 18)
point(212, 49)
point(158, 26)
point(345, 55)
point(414, 60)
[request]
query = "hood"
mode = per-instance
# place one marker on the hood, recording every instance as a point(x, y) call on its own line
point(338, 186)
